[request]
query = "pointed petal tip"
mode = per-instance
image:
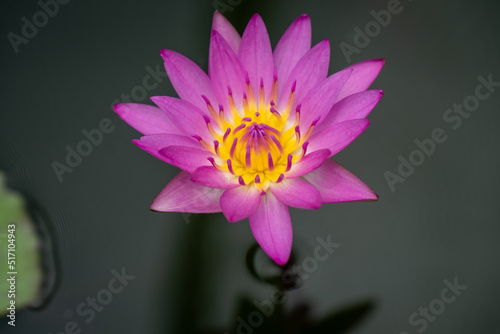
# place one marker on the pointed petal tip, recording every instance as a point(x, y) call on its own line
point(166, 54)
point(281, 261)
point(119, 108)
point(256, 16)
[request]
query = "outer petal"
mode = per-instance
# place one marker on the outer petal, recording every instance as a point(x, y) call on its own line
point(225, 71)
point(363, 74)
point(154, 143)
point(272, 228)
point(338, 136)
point(308, 163)
point(336, 184)
point(239, 203)
point(354, 106)
point(146, 119)
point(292, 46)
point(188, 79)
point(182, 195)
point(186, 158)
point(210, 176)
point(184, 115)
point(297, 193)
point(227, 31)
point(256, 54)
point(320, 99)
point(310, 70)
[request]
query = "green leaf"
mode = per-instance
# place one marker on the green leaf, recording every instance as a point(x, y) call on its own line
point(26, 254)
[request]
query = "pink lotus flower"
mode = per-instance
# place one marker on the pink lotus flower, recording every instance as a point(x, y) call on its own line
point(255, 135)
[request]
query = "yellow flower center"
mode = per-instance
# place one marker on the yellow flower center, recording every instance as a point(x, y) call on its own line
point(257, 143)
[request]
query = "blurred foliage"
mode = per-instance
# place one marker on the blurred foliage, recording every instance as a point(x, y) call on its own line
point(27, 254)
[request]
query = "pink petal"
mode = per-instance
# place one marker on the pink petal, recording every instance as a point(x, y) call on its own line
point(292, 46)
point(311, 69)
point(256, 54)
point(320, 99)
point(182, 195)
point(225, 71)
point(297, 193)
point(186, 158)
point(354, 106)
point(185, 116)
point(338, 136)
point(227, 31)
point(188, 79)
point(337, 184)
point(145, 119)
point(308, 163)
point(154, 143)
point(239, 203)
point(272, 228)
point(364, 73)
point(210, 176)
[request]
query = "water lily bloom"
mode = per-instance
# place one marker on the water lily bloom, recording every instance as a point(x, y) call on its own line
point(255, 135)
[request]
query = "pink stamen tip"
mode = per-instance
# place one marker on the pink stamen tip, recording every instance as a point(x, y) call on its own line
point(229, 91)
point(198, 138)
point(221, 108)
point(207, 101)
point(228, 131)
point(277, 143)
point(272, 103)
point(233, 147)
point(280, 178)
point(241, 181)
point(257, 114)
point(304, 147)
point(247, 119)
point(270, 161)
point(262, 193)
point(297, 132)
point(270, 128)
point(212, 161)
point(315, 121)
point(245, 97)
point(299, 106)
point(289, 163)
point(275, 112)
point(206, 118)
point(257, 178)
point(275, 74)
point(216, 146)
point(261, 82)
point(248, 157)
point(230, 166)
point(247, 78)
point(294, 86)
point(241, 126)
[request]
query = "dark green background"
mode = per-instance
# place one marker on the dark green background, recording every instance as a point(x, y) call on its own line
point(442, 223)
